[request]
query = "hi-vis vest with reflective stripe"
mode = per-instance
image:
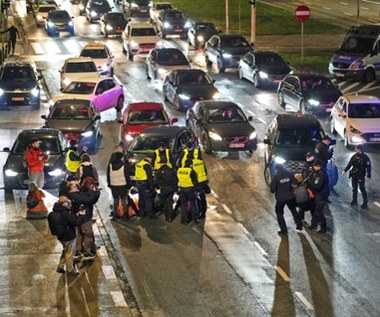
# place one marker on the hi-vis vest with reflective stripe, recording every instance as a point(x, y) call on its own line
point(184, 179)
point(186, 154)
point(140, 173)
point(199, 168)
point(157, 164)
point(72, 166)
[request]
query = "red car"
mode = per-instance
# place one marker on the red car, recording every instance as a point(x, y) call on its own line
point(139, 116)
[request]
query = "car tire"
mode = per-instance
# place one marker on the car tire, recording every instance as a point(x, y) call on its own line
point(208, 62)
point(280, 99)
point(105, 34)
point(332, 127)
point(219, 65)
point(267, 175)
point(111, 72)
point(130, 55)
point(147, 72)
point(241, 76)
point(120, 103)
point(163, 35)
point(206, 145)
point(256, 80)
point(369, 75)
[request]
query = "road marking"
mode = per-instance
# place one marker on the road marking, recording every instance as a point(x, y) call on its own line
point(344, 3)
point(326, 8)
point(260, 248)
point(37, 48)
point(108, 272)
point(303, 299)
point(228, 210)
point(214, 194)
point(282, 273)
point(366, 87)
point(118, 299)
point(377, 204)
point(364, 8)
point(350, 87)
point(349, 14)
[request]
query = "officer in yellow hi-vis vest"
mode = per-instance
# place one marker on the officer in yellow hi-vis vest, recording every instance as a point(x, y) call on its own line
point(162, 154)
point(190, 152)
point(73, 157)
point(187, 182)
point(202, 187)
point(145, 185)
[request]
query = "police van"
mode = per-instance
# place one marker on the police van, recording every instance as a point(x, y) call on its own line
point(358, 57)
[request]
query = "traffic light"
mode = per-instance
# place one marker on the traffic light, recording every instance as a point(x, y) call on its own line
point(252, 2)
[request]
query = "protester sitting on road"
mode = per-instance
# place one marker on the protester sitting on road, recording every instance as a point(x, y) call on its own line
point(36, 208)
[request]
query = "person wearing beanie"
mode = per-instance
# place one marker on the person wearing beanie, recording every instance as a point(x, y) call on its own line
point(73, 157)
point(162, 154)
point(359, 168)
point(36, 208)
point(323, 151)
point(190, 152)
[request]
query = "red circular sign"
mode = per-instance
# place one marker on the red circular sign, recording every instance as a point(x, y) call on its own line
point(302, 13)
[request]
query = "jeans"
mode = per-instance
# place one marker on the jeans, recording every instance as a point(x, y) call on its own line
point(67, 255)
point(358, 182)
point(38, 178)
point(279, 208)
point(85, 238)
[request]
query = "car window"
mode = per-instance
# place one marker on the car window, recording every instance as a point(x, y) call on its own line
point(59, 15)
point(146, 117)
point(233, 41)
point(70, 112)
point(172, 57)
point(363, 110)
point(94, 53)
point(317, 83)
point(149, 143)
point(298, 137)
point(18, 73)
point(193, 78)
point(269, 59)
point(232, 114)
point(342, 105)
point(82, 88)
point(47, 145)
point(80, 67)
point(109, 84)
point(143, 32)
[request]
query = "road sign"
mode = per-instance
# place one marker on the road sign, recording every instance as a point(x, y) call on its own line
point(302, 13)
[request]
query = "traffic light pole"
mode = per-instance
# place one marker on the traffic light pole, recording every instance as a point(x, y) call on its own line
point(253, 20)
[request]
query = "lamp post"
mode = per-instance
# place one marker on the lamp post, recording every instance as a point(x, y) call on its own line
point(358, 11)
point(227, 18)
point(253, 20)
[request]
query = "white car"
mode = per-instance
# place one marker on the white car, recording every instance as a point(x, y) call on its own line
point(42, 11)
point(104, 92)
point(76, 67)
point(102, 57)
point(139, 38)
point(356, 118)
point(156, 8)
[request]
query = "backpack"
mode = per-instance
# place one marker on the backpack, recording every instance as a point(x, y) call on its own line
point(31, 201)
point(87, 171)
point(55, 223)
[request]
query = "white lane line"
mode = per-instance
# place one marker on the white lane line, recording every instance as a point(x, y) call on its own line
point(344, 3)
point(350, 87)
point(364, 8)
point(108, 272)
point(37, 48)
point(214, 194)
point(377, 204)
point(327, 8)
point(303, 299)
point(261, 120)
point(228, 210)
point(367, 86)
point(349, 14)
point(282, 273)
point(260, 248)
point(118, 299)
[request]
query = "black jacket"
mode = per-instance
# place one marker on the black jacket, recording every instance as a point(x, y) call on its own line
point(323, 152)
point(282, 185)
point(87, 198)
point(69, 221)
point(360, 166)
point(319, 184)
point(166, 180)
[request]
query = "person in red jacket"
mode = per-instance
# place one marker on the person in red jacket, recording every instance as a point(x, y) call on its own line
point(35, 160)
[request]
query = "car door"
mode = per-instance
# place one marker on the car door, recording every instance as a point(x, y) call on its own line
point(246, 65)
point(104, 95)
point(191, 34)
point(212, 49)
point(340, 116)
point(291, 91)
point(170, 86)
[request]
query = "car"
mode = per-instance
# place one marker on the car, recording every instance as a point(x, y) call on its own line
point(162, 60)
point(78, 119)
point(41, 12)
point(59, 21)
point(148, 140)
point(112, 23)
point(356, 118)
point(96, 8)
point(139, 38)
point(225, 50)
point(82, 6)
point(184, 87)
point(19, 85)
point(308, 92)
point(156, 7)
point(139, 116)
point(200, 32)
point(288, 138)
point(221, 126)
point(53, 143)
point(101, 56)
point(172, 22)
point(263, 68)
point(75, 67)
point(136, 8)
point(104, 92)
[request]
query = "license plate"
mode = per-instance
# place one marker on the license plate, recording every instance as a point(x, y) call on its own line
point(119, 31)
point(328, 109)
point(237, 145)
point(178, 30)
point(18, 98)
point(142, 10)
point(374, 139)
point(339, 74)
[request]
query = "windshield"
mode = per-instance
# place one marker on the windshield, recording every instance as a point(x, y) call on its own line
point(46, 9)
point(206, 27)
point(226, 115)
point(269, 59)
point(18, 73)
point(141, 2)
point(149, 143)
point(70, 112)
point(81, 88)
point(163, 6)
point(114, 17)
point(172, 57)
point(237, 41)
point(357, 45)
point(141, 117)
point(94, 53)
point(143, 32)
point(317, 83)
point(59, 15)
point(174, 16)
point(101, 6)
point(362, 110)
point(298, 137)
point(80, 67)
point(194, 78)
point(47, 145)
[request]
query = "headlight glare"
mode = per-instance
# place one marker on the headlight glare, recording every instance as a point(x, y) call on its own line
point(214, 136)
point(227, 55)
point(313, 102)
point(184, 97)
point(279, 160)
point(253, 135)
point(10, 173)
point(263, 75)
point(87, 134)
point(56, 172)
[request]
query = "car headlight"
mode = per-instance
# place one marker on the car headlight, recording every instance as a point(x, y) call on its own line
point(357, 139)
point(159, 44)
point(93, 14)
point(35, 91)
point(279, 160)
point(50, 24)
point(214, 136)
point(109, 27)
point(353, 130)
point(71, 23)
point(87, 134)
point(313, 102)
point(105, 66)
point(56, 172)
point(216, 95)
point(129, 137)
point(187, 24)
point(253, 135)
point(162, 71)
point(66, 81)
point(227, 55)
point(134, 44)
point(356, 65)
point(134, 5)
point(184, 97)
point(263, 75)
point(39, 17)
point(1, 92)
point(10, 173)
point(200, 38)
point(166, 25)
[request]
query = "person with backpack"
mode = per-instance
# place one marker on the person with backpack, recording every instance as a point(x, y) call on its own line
point(36, 208)
point(86, 169)
point(63, 224)
point(35, 160)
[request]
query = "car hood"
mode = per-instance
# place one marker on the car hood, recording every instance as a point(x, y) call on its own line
point(145, 39)
point(365, 125)
point(194, 91)
point(62, 95)
point(275, 69)
point(291, 153)
point(69, 125)
point(236, 50)
point(17, 163)
point(137, 129)
point(17, 84)
point(323, 96)
point(231, 128)
point(60, 20)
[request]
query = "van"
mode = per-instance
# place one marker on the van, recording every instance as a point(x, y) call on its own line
point(358, 57)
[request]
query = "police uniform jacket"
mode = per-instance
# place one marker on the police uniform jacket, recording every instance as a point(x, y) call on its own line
point(188, 155)
point(73, 159)
point(187, 177)
point(360, 166)
point(319, 184)
point(166, 180)
point(200, 168)
point(144, 173)
point(162, 156)
point(323, 152)
point(282, 185)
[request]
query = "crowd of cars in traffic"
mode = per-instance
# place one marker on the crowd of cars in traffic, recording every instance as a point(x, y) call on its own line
point(88, 88)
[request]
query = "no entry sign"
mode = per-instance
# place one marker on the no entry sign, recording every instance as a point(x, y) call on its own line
point(302, 13)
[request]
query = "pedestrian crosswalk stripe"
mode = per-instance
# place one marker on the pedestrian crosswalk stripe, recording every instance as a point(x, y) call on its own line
point(72, 45)
point(52, 48)
point(37, 47)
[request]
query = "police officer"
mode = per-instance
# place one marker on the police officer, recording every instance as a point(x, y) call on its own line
point(162, 154)
point(190, 152)
point(282, 187)
point(145, 185)
point(73, 158)
point(187, 182)
point(202, 187)
point(323, 151)
point(359, 167)
point(319, 184)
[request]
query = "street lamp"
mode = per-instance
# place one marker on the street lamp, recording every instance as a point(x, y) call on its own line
point(253, 20)
point(227, 18)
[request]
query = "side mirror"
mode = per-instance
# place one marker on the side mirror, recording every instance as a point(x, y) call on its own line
point(250, 118)
point(6, 149)
point(44, 116)
point(267, 141)
point(97, 118)
point(173, 120)
point(120, 120)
